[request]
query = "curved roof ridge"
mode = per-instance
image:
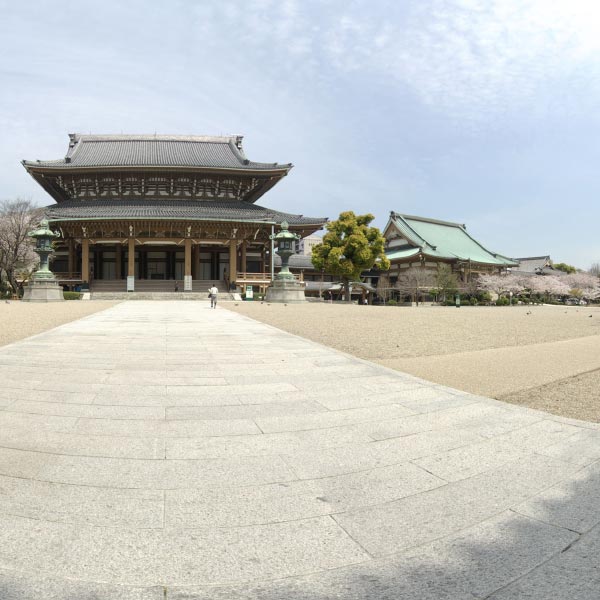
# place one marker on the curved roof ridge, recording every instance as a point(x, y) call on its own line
point(157, 150)
point(148, 137)
point(428, 220)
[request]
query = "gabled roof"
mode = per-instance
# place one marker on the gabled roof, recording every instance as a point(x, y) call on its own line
point(438, 240)
point(104, 151)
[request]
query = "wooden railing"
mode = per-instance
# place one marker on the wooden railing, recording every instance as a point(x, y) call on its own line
point(256, 278)
point(68, 275)
point(253, 278)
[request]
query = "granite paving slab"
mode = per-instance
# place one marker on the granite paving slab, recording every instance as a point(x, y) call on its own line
point(182, 453)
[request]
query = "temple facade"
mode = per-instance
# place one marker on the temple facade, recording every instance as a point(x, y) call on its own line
point(161, 213)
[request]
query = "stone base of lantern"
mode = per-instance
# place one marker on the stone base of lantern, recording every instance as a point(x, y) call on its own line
point(285, 290)
point(43, 291)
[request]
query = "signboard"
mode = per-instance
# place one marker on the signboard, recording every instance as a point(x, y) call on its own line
point(130, 283)
point(249, 292)
point(187, 283)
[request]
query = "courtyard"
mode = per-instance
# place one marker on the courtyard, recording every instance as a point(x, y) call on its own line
point(160, 450)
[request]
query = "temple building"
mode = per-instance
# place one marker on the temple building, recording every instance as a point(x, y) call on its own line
point(419, 241)
point(153, 212)
point(534, 265)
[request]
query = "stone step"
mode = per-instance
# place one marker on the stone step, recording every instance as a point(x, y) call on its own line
point(223, 296)
point(156, 286)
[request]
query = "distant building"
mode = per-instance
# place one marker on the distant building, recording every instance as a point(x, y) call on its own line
point(306, 244)
point(533, 265)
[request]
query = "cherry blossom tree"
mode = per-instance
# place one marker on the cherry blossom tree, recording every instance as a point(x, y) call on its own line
point(17, 218)
point(384, 287)
point(415, 281)
point(549, 286)
point(501, 284)
point(583, 285)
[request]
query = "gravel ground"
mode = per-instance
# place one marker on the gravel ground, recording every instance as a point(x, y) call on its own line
point(576, 397)
point(545, 357)
point(19, 320)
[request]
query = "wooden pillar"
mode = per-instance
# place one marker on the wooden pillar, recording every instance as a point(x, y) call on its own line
point(187, 266)
point(195, 261)
point(118, 260)
point(98, 263)
point(131, 258)
point(85, 260)
point(232, 261)
point(71, 265)
point(243, 265)
point(188, 257)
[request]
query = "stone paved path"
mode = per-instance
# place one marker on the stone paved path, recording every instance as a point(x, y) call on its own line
point(161, 450)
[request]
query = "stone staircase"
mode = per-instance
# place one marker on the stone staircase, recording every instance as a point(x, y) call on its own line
point(156, 290)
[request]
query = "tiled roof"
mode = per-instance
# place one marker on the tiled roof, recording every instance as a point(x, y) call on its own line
point(297, 261)
point(395, 254)
point(534, 264)
point(444, 240)
point(218, 210)
point(88, 151)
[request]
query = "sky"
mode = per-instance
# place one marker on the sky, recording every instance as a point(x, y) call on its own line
point(483, 112)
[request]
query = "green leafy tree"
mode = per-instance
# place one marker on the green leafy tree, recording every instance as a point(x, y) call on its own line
point(350, 247)
point(565, 267)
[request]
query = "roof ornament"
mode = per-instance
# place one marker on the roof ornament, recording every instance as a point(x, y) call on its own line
point(84, 231)
point(131, 231)
point(189, 231)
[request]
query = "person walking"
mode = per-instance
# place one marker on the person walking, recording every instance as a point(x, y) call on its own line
point(213, 292)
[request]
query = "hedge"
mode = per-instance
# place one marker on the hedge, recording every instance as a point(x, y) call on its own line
point(72, 295)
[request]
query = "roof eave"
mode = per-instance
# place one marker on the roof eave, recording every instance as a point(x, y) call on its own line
point(65, 167)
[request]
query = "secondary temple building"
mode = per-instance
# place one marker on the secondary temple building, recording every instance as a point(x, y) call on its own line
point(151, 212)
point(418, 241)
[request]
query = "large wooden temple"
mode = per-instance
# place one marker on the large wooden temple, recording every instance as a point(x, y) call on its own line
point(153, 212)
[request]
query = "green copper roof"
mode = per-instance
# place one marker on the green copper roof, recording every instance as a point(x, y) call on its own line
point(394, 254)
point(443, 240)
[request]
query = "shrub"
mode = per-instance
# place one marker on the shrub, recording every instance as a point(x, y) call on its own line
point(72, 295)
point(473, 301)
point(502, 301)
point(392, 302)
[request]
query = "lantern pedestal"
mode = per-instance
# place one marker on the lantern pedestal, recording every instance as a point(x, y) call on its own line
point(285, 290)
point(43, 286)
point(43, 291)
point(284, 287)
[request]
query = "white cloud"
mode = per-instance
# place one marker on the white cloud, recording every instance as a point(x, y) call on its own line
point(466, 57)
